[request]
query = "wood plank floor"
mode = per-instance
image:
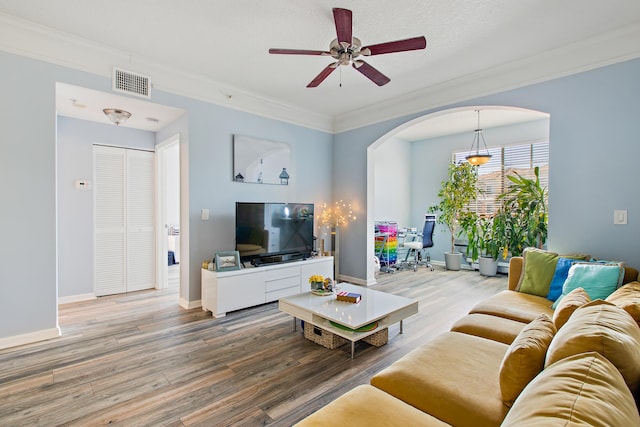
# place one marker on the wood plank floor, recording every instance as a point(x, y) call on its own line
point(139, 359)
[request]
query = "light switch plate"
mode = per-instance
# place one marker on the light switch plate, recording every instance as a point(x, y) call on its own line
point(619, 217)
point(205, 214)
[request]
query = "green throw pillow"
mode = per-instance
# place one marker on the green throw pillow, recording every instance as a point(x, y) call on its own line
point(598, 280)
point(537, 272)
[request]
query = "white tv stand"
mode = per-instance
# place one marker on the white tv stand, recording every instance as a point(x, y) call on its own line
point(233, 290)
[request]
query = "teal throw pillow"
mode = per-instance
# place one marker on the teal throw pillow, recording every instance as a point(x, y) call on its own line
point(537, 272)
point(598, 280)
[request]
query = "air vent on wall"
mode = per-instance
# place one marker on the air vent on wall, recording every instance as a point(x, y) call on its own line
point(131, 83)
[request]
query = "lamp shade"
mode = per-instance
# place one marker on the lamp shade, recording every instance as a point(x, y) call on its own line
point(478, 159)
point(475, 157)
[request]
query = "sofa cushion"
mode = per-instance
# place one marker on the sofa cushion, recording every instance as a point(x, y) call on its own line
point(598, 280)
point(454, 377)
point(581, 390)
point(490, 327)
point(515, 306)
point(368, 406)
point(525, 357)
point(570, 303)
point(628, 298)
point(537, 271)
point(559, 276)
point(602, 327)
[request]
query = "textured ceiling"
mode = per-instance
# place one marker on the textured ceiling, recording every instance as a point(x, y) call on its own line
point(227, 42)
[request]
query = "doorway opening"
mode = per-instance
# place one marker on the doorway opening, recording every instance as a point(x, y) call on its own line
point(168, 214)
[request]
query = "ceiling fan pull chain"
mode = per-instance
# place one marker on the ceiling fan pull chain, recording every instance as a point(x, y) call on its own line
point(340, 70)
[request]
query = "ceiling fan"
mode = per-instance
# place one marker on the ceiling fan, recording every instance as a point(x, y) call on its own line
point(346, 48)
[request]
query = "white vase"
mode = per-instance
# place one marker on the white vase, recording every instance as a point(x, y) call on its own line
point(487, 266)
point(453, 261)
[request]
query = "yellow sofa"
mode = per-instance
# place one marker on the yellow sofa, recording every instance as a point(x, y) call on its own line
point(506, 363)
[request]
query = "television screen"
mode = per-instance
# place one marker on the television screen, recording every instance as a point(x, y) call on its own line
point(280, 231)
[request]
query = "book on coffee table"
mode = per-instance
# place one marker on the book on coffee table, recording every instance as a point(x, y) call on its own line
point(349, 297)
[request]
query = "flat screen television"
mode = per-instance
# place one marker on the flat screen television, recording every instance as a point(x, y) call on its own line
point(274, 232)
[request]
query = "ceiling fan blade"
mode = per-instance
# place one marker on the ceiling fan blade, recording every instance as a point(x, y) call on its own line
point(323, 75)
point(344, 28)
point(298, 52)
point(414, 43)
point(371, 73)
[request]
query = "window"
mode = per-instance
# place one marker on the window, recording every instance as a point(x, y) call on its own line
point(492, 176)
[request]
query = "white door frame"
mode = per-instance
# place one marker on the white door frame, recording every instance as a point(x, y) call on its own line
point(161, 211)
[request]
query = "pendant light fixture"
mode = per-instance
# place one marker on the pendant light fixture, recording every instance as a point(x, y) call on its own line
point(116, 115)
point(476, 158)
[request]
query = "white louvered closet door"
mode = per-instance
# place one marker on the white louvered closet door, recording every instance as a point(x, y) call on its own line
point(140, 218)
point(124, 238)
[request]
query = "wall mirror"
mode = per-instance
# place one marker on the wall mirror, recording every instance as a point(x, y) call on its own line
point(260, 161)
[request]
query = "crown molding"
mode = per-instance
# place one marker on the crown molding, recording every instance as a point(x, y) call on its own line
point(42, 43)
point(611, 48)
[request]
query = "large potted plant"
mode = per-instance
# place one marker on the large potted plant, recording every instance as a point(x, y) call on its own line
point(485, 244)
point(456, 192)
point(523, 213)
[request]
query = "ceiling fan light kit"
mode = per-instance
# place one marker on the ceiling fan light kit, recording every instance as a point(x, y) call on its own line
point(345, 49)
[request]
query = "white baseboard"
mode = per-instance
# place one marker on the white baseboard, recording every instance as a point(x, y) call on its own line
point(354, 280)
point(190, 304)
point(31, 337)
point(76, 298)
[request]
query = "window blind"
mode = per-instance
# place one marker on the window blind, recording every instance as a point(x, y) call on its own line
point(492, 176)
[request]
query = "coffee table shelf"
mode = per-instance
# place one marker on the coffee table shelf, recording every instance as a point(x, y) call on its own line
point(376, 306)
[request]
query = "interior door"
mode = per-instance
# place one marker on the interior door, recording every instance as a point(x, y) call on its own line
point(124, 220)
point(140, 221)
point(109, 214)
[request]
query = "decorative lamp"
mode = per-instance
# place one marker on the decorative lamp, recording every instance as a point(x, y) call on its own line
point(116, 116)
point(284, 177)
point(477, 158)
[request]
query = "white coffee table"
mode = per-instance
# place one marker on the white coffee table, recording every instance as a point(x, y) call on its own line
point(320, 311)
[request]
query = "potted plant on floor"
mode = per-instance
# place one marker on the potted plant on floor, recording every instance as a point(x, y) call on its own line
point(485, 244)
point(524, 213)
point(456, 193)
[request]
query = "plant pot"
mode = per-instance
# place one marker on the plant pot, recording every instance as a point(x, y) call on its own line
point(487, 266)
point(452, 261)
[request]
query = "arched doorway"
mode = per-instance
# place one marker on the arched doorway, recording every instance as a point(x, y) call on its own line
point(406, 165)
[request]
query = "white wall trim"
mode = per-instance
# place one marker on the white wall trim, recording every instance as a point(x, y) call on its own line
point(585, 55)
point(76, 298)
point(190, 304)
point(35, 41)
point(354, 280)
point(29, 338)
point(39, 42)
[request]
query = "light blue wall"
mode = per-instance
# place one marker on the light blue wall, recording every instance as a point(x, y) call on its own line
point(393, 184)
point(27, 216)
point(594, 151)
point(75, 140)
point(28, 281)
point(210, 171)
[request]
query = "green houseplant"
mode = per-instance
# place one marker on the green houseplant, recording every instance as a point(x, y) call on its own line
point(485, 244)
point(523, 214)
point(456, 192)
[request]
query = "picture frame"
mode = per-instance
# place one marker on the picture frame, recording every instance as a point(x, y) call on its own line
point(261, 161)
point(227, 261)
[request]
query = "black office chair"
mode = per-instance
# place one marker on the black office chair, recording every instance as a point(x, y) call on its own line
point(416, 247)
